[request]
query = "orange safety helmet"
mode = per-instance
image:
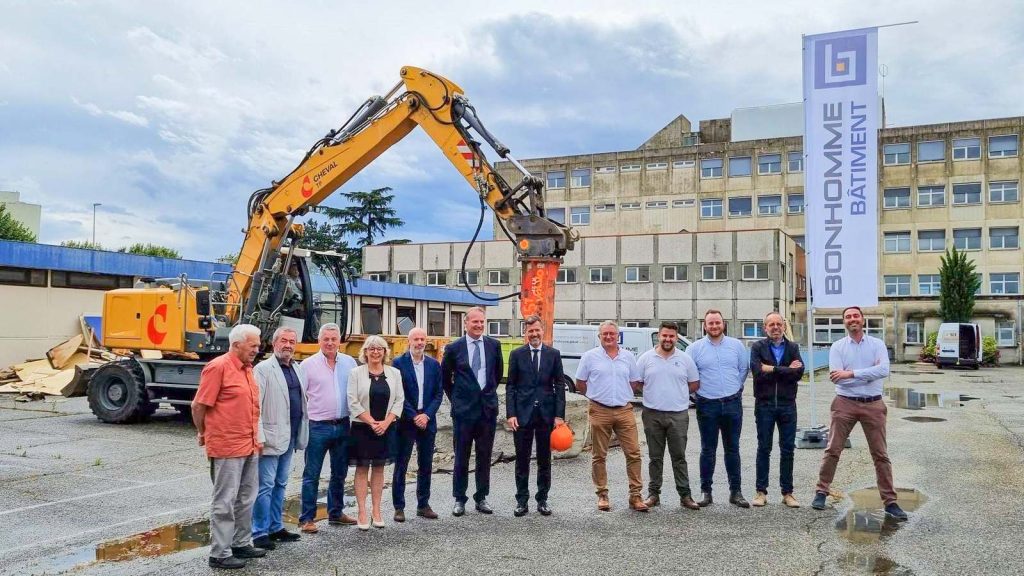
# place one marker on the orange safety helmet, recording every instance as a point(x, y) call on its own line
point(561, 438)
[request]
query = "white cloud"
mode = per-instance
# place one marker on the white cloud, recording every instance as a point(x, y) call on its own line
point(122, 115)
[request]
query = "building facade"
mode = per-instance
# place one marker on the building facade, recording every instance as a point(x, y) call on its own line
point(941, 185)
point(636, 279)
point(27, 214)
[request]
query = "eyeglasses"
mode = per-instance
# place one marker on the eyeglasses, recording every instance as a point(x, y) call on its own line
point(375, 349)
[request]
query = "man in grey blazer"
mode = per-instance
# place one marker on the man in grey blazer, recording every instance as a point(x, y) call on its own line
point(283, 428)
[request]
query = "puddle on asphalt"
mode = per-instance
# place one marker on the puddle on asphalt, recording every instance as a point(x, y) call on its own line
point(872, 564)
point(866, 521)
point(910, 399)
point(923, 419)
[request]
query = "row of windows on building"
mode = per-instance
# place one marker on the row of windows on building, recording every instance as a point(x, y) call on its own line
point(709, 168)
point(826, 329)
point(62, 279)
point(931, 284)
point(1002, 146)
point(751, 271)
point(739, 206)
point(965, 193)
point(999, 238)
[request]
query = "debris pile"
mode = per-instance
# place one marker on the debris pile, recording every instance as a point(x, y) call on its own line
point(64, 371)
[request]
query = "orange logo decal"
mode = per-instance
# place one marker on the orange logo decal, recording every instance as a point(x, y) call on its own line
point(307, 187)
point(157, 336)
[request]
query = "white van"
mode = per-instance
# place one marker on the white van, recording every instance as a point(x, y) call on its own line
point(958, 345)
point(572, 340)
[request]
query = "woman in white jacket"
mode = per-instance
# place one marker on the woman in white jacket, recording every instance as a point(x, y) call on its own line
point(375, 401)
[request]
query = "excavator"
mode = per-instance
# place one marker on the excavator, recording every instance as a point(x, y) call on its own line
point(188, 320)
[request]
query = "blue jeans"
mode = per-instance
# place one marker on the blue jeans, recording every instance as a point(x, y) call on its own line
point(408, 436)
point(325, 438)
point(714, 417)
point(768, 415)
point(269, 507)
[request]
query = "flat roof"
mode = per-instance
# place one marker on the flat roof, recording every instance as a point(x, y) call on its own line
point(49, 257)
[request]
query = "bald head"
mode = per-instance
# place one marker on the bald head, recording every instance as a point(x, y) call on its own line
point(417, 342)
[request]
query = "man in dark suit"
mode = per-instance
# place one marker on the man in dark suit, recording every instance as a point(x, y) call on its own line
point(421, 378)
point(777, 368)
point(534, 404)
point(470, 370)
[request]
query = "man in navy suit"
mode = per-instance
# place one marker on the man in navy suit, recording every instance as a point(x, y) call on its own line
point(534, 404)
point(421, 378)
point(470, 371)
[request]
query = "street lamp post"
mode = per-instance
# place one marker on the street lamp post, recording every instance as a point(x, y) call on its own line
point(94, 205)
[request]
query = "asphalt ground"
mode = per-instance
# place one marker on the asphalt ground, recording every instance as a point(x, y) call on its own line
point(68, 482)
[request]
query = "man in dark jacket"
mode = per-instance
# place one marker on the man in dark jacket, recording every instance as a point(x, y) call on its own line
point(470, 371)
point(535, 404)
point(777, 368)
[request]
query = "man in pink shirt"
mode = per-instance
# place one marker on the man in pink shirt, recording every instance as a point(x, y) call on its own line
point(326, 374)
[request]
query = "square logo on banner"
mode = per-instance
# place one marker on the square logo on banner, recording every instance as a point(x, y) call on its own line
point(840, 62)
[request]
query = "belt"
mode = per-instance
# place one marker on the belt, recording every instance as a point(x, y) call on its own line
point(735, 396)
point(864, 399)
point(338, 422)
point(606, 406)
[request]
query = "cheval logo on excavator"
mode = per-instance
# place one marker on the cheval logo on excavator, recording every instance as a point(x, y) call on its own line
point(307, 187)
point(156, 336)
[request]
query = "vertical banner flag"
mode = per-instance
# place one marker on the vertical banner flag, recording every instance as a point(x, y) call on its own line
point(841, 173)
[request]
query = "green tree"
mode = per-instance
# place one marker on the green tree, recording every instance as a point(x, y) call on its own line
point(230, 258)
point(11, 229)
point(369, 215)
point(959, 284)
point(989, 351)
point(151, 250)
point(325, 236)
point(83, 244)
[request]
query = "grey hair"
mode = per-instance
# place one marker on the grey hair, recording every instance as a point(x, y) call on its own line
point(775, 313)
point(242, 331)
point(282, 330)
point(421, 329)
point(330, 326)
point(607, 323)
point(479, 309)
point(375, 340)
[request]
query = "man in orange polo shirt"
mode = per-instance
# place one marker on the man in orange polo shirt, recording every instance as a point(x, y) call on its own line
point(226, 412)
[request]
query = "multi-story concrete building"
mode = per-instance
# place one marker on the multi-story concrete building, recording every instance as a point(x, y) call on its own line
point(638, 279)
point(941, 185)
point(27, 214)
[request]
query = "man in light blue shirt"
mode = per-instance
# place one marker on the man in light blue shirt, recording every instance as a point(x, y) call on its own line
point(722, 363)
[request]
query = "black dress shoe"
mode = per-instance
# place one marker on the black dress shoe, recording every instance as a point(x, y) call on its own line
point(399, 515)
point(248, 552)
point(229, 563)
point(520, 510)
point(737, 499)
point(283, 535)
point(819, 501)
point(264, 542)
point(483, 507)
point(706, 501)
point(459, 509)
point(543, 508)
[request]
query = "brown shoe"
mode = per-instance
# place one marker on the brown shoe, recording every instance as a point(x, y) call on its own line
point(309, 527)
point(637, 504)
point(426, 512)
point(688, 503)
point(790, 501)
point(653, 500)
point(602, 503)
point(399, 515)
point(760, 499)
point(343, 520)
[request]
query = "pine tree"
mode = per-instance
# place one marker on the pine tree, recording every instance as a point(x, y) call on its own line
point(959, 285)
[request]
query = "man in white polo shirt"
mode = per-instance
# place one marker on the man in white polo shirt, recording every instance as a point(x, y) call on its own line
point(669, 376)
point(608, 375)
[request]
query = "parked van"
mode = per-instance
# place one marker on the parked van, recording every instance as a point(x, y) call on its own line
point(572, 340)
point(958, 345)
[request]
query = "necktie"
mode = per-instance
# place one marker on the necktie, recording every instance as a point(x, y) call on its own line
point(536, 360)
point(475, 363)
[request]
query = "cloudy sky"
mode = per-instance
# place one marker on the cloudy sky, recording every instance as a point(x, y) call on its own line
point(170, 115)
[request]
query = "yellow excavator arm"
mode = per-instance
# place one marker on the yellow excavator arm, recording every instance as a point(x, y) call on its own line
point(438, 106)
